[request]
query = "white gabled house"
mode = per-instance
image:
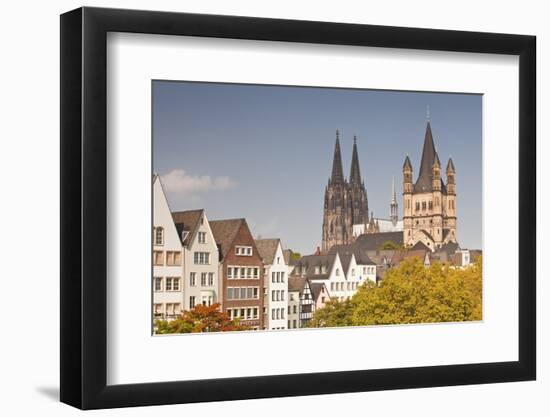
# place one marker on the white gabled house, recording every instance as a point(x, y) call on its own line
point(200, 258)
point(275, 283)
point(168, 293)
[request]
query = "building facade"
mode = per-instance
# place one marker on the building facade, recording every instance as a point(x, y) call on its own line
point(275, 283)
point(429, 204)
point(200, 258)
point(241, 272)
point(168, 292)
point(346, 201)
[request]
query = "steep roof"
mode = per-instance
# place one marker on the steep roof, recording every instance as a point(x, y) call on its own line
point(450, 166)
point(429, 157)
point(224, 232)
point(360, 256)
point(400, 255)
point(316, 288)
point(296, 283)
point(355, 172)
point(310, 262)
point(420, 246)
point(407, 163)
point(187, 221)
point(337, 170)
point(373, 241)
point(267, 249)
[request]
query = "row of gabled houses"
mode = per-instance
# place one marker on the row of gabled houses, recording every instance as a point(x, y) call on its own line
point(201, 261)
point(267, 287)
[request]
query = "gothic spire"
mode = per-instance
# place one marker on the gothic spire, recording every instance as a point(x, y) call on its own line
point(355, 173)
point(393, 195)
point(429, 155)
point(337, 171)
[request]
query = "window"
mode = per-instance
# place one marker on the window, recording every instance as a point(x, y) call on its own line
point(337, 272)
point(249, 272)
point(256, 271)
point(352, 272)
point(272, 314)
point(202, 237)
point(210, 279)
point(332, 286)
point(255, 293)
point(278, 259)
point(159, 236)
point(295, 310)
point(417, 206)
point(273, 277)
point(282, 295)
point(229, 272)
point(230, 293)
point(157, 283)
point(193, 279)
point(282, 313)
point(243, 273)
point(243, 250)
point(173, 258)
point(282, 277)
point(324, 269)
point(294, 323)
point(158, 258)
point(157, 310)
point(192, 301)
point(317, 270)
point(202, 258)
point(168, 284)
point(203, 279)
point(273, 295)
point(291, 297)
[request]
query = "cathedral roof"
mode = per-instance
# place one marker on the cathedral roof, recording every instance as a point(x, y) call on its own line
point(337, 170)
point(374, 241)
point(429, 157)
point(355, 172)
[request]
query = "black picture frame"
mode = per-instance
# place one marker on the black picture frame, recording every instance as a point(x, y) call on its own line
point(84, 207)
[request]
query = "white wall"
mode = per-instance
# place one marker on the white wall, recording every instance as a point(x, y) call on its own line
point(30, 110)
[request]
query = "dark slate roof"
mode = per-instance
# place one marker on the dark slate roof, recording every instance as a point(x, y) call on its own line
point(373, 241)
point(429, 157)
point(316, 288)
point(296, 283)
point(360, 256)
point(310, 262)
point(187, 221)
point(420, 246)
point(267, 249)
point(224, 232)
point(337, 170)
point(355, 172)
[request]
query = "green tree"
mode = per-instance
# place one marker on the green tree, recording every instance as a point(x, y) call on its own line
point(412, 293)
point(389, 245)
point(200, 319)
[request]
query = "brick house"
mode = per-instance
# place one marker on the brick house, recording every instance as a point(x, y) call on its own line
point(240, 273)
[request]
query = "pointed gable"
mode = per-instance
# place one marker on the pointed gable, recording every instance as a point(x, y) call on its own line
point(224, 232)
point(429, 158)
point(187, 224)
point(267, 248)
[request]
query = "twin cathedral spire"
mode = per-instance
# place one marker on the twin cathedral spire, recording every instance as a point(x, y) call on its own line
point(346, 200)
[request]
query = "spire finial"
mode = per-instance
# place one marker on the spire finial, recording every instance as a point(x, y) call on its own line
point(428, 112)
point(354, 139)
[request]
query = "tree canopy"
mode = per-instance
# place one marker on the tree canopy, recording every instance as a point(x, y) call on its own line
point(410, 293)
point(200, 319)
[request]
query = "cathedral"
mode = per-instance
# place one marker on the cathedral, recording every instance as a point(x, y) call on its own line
point(429, 211)
point(346, 201)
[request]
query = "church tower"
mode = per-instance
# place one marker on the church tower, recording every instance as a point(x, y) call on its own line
point(346, 202)
point(429, 205)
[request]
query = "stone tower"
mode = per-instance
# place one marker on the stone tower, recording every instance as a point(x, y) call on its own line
point(429, 214)
point(346, 202)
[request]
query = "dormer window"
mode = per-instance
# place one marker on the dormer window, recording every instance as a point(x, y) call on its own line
point(243, 250)
point(317, 270)
point(324, 269)
point(159, 236)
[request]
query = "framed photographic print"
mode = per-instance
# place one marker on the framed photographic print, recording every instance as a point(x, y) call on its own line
point(257, 208)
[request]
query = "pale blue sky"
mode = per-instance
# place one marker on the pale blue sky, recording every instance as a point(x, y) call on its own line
point(265, 152)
